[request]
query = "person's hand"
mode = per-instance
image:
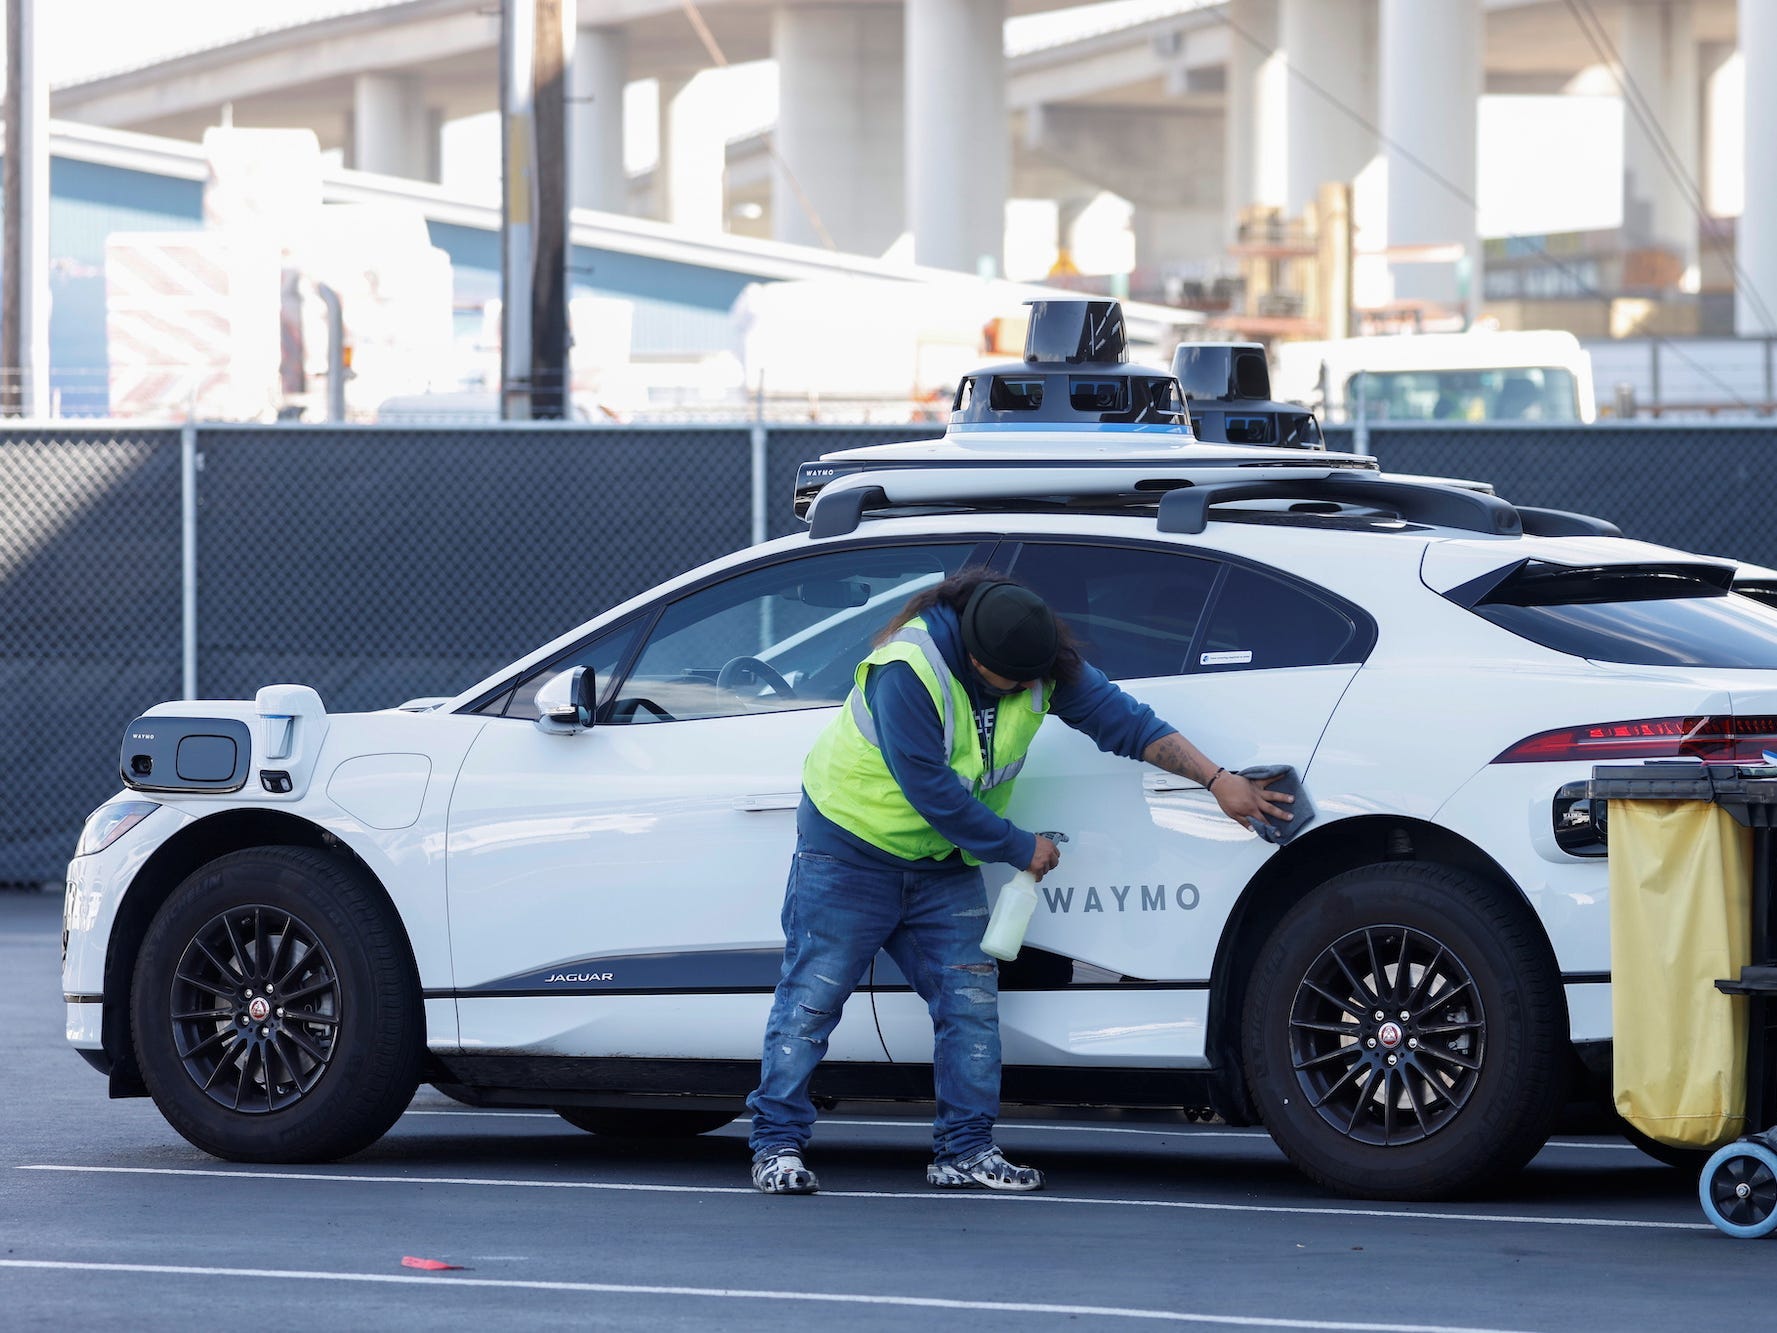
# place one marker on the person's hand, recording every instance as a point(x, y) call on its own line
point(1046, 857)
point(1244, 800)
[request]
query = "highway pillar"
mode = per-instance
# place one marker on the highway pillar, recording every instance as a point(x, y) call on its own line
point(1755, 296)
point(1431, 89)
point(595, 120)
point(693, 155)
point(1333, 44)
point(1659, 76)
point(838, 177)
point(1257, 161)
point(958, 156)
point(391, 131)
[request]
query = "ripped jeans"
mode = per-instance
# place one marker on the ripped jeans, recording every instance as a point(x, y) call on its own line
point(837, 914)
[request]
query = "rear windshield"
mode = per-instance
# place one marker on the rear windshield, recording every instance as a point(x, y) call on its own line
point(1642, 617)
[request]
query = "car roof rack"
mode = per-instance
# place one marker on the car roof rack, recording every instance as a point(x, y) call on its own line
point(1187, 510)
point(841, 504)
point(1060, 473)
point(1184, 495)
point(1564, 523)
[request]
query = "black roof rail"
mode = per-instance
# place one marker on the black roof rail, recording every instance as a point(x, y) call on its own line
point(1564, 523)
point(836, 513)
point(1187, 510)
point(839, 510)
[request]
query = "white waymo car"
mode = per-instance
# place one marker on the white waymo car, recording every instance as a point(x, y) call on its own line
point(561, 887)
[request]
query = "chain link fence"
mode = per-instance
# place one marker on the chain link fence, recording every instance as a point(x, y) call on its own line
point(1696, 485)
point(89, 624)
point(382, 563)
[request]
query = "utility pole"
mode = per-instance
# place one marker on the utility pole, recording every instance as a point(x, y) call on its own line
point(535, 39)
point(24, 199)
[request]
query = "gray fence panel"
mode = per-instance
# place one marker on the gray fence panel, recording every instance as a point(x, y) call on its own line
point(379, 564)
point(89, 624)
point(1693, 485)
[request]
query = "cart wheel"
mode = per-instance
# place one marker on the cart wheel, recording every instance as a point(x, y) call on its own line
point(1739, 1190)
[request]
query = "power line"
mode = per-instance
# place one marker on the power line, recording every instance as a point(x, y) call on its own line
point(1538, 247)
point(1642, 109)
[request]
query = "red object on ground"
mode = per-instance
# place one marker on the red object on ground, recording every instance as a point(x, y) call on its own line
point(430, 1265)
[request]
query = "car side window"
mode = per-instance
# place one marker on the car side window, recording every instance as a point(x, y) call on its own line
point(604, 653)
point(1260, 622)
point(785, 636)
point(1133, 610)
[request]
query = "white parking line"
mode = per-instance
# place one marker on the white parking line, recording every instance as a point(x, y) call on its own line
point(743, 1294)
point(1184, 1131)
point(486, 1182)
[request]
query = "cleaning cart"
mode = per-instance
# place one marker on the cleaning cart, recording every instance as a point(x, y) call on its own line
point(1694, 971)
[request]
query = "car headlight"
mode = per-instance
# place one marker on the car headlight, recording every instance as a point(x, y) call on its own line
point(110, 822)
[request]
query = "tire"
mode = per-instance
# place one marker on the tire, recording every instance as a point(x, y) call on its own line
point(1478, 1075)
point(313, 1067)
point(1688, 1160)
point(458, 1093)
point(640, 1123)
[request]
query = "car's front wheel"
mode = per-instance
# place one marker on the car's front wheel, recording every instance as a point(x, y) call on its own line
point(1402, 1033)
point(276, 1010)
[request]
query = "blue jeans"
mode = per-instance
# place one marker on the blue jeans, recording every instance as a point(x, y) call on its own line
point(836, 916)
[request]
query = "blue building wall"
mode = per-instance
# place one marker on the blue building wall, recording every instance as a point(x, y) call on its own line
point(678, 307)
point(88, 202)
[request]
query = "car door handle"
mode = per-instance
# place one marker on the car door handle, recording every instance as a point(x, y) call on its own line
point(770, 800)
point(1168, 782)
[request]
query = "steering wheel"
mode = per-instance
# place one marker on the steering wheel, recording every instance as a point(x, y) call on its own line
point(737, 671)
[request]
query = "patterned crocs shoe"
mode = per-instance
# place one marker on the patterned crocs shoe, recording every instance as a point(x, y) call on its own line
point(987, 1169)
point(784, 1173)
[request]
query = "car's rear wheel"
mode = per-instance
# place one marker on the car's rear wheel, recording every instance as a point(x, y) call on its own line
point(642, 1123)
point(1402, 1033)
point(276, 1011)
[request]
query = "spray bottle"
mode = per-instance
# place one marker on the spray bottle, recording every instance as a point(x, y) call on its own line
point(1012, 912)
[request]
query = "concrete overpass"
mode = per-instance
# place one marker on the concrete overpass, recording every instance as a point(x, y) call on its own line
point(380, 81)
point(905, 117)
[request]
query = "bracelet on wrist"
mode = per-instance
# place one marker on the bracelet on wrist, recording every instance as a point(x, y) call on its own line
point(1210, 785)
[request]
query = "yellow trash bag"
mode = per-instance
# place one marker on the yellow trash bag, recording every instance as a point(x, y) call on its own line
point(1680, 917)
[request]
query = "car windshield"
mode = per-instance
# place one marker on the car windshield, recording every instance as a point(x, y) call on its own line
point(1531, 393)
point(1636, 616)
point(785, 636)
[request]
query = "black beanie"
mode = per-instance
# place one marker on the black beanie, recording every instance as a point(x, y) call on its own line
point(1010, 630)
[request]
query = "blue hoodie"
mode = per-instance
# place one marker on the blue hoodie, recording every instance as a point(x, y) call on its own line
point(912, 741)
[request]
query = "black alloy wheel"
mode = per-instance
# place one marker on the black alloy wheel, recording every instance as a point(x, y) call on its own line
point(1387, 1035)
point(1404, 1033)
point(275, 1008)
point(255, 1009)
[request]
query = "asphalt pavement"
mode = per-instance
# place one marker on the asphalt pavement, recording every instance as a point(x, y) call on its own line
point(108, 1218)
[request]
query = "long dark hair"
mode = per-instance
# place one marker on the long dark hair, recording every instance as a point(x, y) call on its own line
point(954, 592)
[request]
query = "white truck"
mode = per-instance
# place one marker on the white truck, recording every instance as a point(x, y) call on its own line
point(1541, 375)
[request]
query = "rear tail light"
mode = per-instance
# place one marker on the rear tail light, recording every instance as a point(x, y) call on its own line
point(1722, 740)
